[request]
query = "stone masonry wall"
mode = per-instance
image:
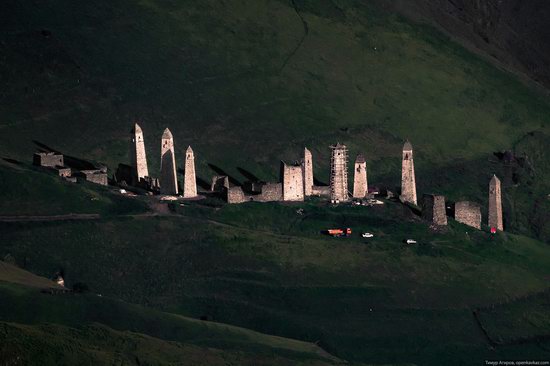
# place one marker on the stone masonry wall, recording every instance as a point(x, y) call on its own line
point(293, 184)
point(433, 209)
point(48, 159)
point(408, 180)
point(468, 213)
point(360, 187)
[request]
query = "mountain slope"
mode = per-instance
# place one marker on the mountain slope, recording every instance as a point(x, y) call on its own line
point(82, 327)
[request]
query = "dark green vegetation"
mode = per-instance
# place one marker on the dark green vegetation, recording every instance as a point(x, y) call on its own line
point(248, 83)
point(26, 190)
point(266, 267)
point(75, 334)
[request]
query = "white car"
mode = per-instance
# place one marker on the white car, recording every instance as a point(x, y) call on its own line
point(410, 241)
point(367, 235)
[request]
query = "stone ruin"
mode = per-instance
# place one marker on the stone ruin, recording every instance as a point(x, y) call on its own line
point(48, 159)
point(468, 213)
point(296, 182)
point(55, 161)
point(433, 209)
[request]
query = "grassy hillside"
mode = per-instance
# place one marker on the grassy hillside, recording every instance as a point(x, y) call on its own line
point(248, 83)
point(66, 328)
point(265, 267)
point(27, 190)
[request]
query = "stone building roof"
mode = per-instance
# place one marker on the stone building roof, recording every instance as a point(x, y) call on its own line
point(137, 129)
point(167, 134)
point(494, 179)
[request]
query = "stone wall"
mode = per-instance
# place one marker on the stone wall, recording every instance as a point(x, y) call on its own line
point(468, 213)
point(95, 176)
point(271, 192)
point(48, 159)
point(63, 171)
point(293, 183)
point(219, 183)
point(235, 194)
point(433, 209)
point(321, 191)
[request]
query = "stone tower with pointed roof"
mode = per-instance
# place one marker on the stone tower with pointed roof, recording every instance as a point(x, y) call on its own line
point(168, 177)
point(189, 178)
point(408, 182)
point(495, 204)
point(339, 173)
point(360, 187)
point(307, 165)
point(139, 158)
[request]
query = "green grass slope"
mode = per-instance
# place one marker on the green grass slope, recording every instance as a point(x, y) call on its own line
point(86, 328)
point(26, 191)
point(248, 83)
point(272, 270)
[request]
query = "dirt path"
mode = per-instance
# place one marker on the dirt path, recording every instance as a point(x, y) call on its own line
point(66, 217)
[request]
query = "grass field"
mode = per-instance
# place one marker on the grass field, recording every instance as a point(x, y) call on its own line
point(87, 328)
point(272, 270)
point(248, 83)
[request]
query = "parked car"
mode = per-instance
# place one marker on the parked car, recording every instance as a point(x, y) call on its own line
point(367, 235)
point(410, 241)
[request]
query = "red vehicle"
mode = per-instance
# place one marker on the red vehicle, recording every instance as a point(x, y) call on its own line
point(339, 232)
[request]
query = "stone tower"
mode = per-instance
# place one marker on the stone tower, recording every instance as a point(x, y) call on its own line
point(293, 182)
point(139, 159)
point(339, 173)
point(307, 166)
point(168, 178)
point(433, 209)
point(360, 187)
point(189, 179)
point(408, 182)
point(495, 204)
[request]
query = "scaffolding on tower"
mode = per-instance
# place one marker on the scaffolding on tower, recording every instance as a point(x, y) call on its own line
point(339, 173)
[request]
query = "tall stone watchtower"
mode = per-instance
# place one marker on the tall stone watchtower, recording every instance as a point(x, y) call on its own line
point(189, 179)
point(168, 178)
point(495, 204)
point(307, 166)
point(408, 182)
point(339, 173)
point(360, 187)
point(139, 158)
